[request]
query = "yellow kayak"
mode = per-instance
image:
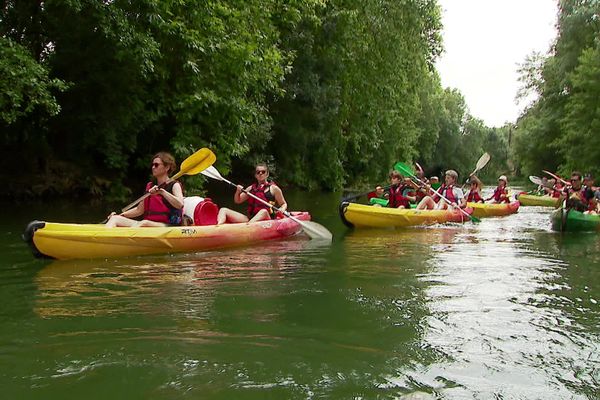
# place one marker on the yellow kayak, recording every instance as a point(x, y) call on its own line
point(535, 200)
point(362, 216)
point(66, 241)
point(481, 210)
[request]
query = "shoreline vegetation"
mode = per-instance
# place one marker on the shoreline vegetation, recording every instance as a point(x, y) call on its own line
point(330, 94)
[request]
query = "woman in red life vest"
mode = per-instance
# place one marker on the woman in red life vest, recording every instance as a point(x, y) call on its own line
point(454, 194)
point(500, 194)
point(164, 206)
point(474, 195)
point(257, 211)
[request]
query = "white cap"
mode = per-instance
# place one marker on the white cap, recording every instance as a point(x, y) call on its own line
point(503, 178)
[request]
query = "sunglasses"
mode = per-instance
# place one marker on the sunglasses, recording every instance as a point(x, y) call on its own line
point(155, 164)
point(260, 171)
point(574, 180)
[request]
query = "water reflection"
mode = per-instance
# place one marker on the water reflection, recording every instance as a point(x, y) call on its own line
point(139, 285)
point(497, 312)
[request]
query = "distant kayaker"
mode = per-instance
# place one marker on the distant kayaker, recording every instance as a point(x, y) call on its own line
point(164, 206)
point(257, 211)
point(578, 197)
point(474, 195)
point(452, 193)
point(500, 194)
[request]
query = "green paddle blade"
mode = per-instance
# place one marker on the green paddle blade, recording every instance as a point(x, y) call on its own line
point(404, 169)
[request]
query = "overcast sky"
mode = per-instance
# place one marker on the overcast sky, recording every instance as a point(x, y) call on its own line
point(484, 42)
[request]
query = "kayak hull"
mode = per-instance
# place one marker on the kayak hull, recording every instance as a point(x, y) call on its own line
point(541, 201)
point(574, 221)
point(363, 216)
point(482, 210)
point(67, 241)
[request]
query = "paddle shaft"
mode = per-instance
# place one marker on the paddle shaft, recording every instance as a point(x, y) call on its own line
point(192, 165)
point(363, 194)
point(284, 212)
point(556, 177)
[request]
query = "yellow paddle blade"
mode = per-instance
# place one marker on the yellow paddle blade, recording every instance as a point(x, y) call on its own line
point(196, 163)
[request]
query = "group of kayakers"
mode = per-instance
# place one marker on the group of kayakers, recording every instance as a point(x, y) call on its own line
point(427, 194)
point(579, 192)
point(164, 205)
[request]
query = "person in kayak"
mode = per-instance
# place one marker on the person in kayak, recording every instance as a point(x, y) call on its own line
point(257, 211)
point(400, 194)
point(578, 196)
point(452, 193)
point(377, 196)
point(474, 195)
point(500, 194)
point(164, 206)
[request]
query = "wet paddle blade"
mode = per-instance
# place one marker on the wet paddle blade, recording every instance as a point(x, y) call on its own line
point(315, 230)
point(482, 162)
point(535, 180)
point(213, 173)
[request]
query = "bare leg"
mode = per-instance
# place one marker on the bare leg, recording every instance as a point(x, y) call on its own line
point(119, 220)
point(227, 215)
point(442, 205)
point(426, 204)
point(145, 222)
point(261, 215)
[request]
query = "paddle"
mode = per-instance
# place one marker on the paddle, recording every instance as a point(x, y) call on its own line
point(536, 180)
point(406, 170)
point(192, 165)
point(558, 178)
point(347, 199)
point(482, 162)
point(312, 229)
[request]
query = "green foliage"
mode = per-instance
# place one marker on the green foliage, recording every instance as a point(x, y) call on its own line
point(328, 92)
point(560, 130)
point(25, 85)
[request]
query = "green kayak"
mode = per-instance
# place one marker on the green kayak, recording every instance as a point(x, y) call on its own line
point(574, 221)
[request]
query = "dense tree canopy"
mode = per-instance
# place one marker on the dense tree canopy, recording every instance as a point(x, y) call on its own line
point(561, 129)
point(329, 92)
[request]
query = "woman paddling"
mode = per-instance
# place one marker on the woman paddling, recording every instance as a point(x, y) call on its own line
point(257, 211)
point(164, 205)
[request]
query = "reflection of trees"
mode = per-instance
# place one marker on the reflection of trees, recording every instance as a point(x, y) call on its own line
point(157, 285)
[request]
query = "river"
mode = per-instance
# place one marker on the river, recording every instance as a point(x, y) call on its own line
point(501, 309)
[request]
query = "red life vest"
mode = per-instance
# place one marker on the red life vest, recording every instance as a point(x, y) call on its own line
point(158, 209)
point(497, 196)
point(474, 197)
point(263, 192)
point(397, 197)
point(447, 192)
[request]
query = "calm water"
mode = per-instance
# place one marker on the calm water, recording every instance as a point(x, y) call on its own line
point(502, 309)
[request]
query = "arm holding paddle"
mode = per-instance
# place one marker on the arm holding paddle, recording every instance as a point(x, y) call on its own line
point(311, 228)
point(169, 212)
